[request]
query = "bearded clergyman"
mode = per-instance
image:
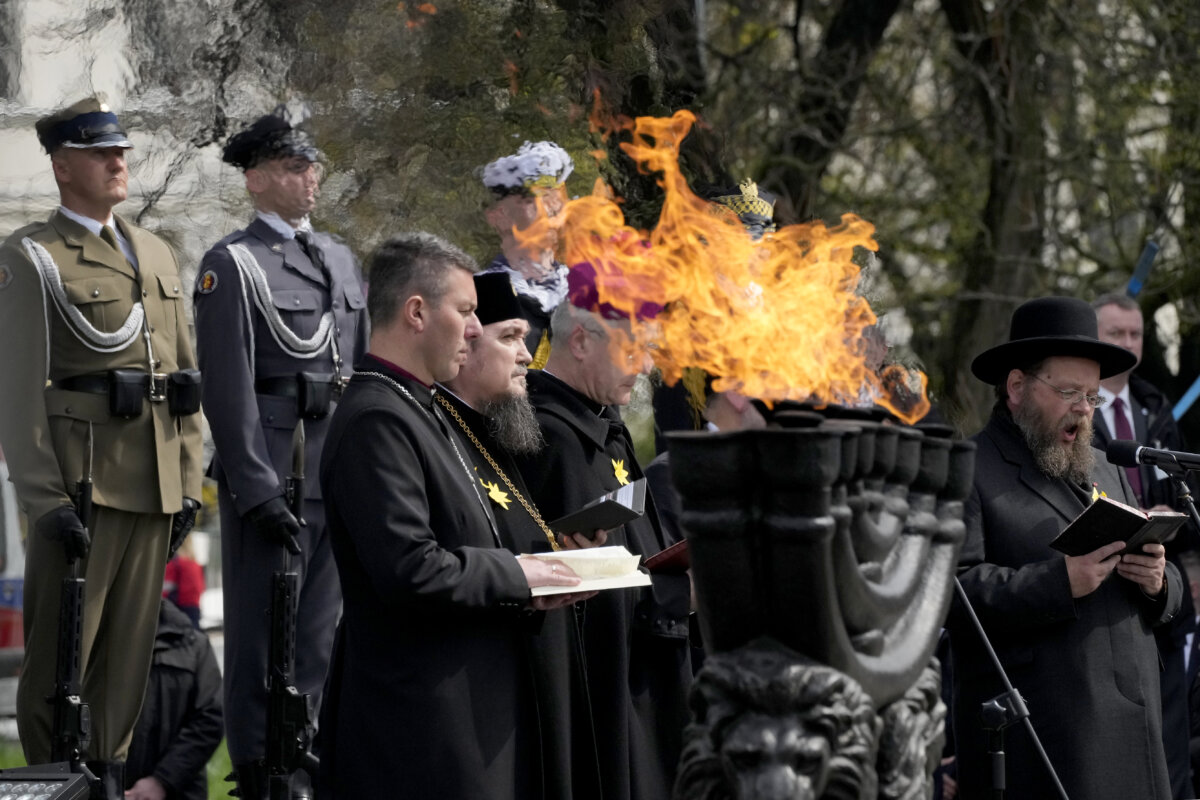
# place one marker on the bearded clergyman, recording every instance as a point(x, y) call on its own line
point(489, 407)
point(1074, 633)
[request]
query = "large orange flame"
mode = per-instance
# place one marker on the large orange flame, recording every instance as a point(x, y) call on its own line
point(776, 319)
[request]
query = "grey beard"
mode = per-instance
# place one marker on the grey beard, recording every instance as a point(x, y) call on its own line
point(513, 424)
point(1072, 463)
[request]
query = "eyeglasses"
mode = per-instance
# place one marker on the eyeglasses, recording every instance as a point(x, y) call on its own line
point(1072, 396)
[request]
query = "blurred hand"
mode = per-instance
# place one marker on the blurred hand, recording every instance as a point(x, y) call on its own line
point(580, 541)
point(274, 521)
point(1088, 571)
point(63, 525)
point(546, 572)
point(949, 784)
point(182, 523)
point(1145, 569)
point(147, 788)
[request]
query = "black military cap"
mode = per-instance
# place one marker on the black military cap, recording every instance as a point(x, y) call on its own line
point(269, 137)
point(87, 123)
point(497, 298)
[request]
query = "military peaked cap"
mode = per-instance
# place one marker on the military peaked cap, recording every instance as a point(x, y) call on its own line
point(87, 123)
point(269, 137)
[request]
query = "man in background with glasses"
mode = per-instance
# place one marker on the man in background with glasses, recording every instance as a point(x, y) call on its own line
point(280, 321)
point(1075, 634)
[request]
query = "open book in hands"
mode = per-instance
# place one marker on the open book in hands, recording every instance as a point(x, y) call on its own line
point(605, 512)
point(599, 568)
point(1107, 520)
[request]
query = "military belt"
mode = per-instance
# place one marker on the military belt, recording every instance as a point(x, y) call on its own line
point(127, 388)
point(314, 392)
point(154, 385)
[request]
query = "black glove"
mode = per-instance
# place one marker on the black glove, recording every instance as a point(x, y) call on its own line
point(274, 521)
point(181, 524)
point(63, 525)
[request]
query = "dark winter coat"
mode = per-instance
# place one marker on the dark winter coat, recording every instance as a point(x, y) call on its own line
point(1155, 426)
point(564, 714)
point(428, 692)
point(1087, 667)
point(638, 668)
point(181, 725)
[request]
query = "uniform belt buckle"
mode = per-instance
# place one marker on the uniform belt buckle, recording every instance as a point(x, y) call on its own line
point(157, 387)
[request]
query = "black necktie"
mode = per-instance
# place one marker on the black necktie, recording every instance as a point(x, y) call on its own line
point(308, 243)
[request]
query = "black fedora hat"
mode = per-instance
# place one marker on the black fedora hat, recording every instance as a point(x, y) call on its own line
point(1051, 326)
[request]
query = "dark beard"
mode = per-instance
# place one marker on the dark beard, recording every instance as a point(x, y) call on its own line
point(1073, 463)
point(513, 424)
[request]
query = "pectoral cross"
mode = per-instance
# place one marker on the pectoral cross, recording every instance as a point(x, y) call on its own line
point(620, 472)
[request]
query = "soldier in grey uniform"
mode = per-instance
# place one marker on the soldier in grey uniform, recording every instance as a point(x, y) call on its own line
point(96, 337)
point(280, 320)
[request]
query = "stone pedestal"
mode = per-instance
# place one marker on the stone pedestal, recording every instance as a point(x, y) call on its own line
point(823, 556)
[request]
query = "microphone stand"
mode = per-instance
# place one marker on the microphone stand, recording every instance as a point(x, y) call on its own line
point(1178, 473)
point(1005, 710)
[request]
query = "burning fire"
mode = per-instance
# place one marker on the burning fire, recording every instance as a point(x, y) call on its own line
point(776, 319)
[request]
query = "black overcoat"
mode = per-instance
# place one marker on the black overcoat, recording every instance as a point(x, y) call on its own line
point(181, 723)
point(1087, 667)
point(635, 640)
point(428, 691)
point(564, 715)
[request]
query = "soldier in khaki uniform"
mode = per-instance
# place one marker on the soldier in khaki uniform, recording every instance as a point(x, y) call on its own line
point(92, 316)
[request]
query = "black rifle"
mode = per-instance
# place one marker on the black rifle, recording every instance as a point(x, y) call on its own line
point(72, 734)
point(289, 713)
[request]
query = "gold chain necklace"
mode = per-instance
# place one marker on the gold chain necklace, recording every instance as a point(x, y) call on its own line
point(533, 512)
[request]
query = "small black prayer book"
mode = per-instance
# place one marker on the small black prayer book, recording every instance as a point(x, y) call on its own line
point(1107, 520)
point(605, 512)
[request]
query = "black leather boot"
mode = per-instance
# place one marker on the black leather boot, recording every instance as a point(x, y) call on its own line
point(251, 781)
point(110, 780)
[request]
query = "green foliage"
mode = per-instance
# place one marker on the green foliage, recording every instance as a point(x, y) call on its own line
point(1002, 150)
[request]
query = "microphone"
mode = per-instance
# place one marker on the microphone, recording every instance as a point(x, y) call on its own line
point(1127, 453)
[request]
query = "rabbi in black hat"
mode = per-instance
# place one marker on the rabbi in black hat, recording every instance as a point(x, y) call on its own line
point(280, 320)
point(1074, 633)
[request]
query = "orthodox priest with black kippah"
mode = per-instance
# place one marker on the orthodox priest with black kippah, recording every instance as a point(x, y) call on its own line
point(636, 640)
point(280, 320)
point(489, 405)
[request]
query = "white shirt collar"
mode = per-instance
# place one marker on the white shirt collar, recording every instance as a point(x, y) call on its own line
point(1124, 395)
point(95, 226)
point(92, 225)
point(1109, 411)
point(280, 226)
